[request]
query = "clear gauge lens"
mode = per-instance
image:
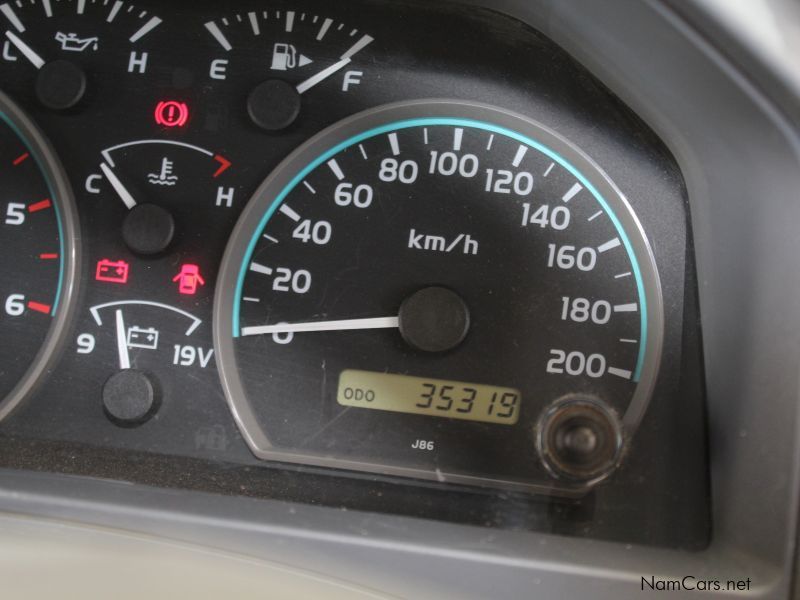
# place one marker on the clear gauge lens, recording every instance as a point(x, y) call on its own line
point(440, 290)
point(37, 255)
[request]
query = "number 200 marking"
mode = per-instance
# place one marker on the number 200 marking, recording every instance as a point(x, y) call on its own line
point(576, 363)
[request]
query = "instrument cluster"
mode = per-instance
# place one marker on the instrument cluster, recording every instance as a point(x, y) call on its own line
point(339, 253)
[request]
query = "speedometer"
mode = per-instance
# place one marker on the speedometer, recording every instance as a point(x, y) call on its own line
point(440, 290)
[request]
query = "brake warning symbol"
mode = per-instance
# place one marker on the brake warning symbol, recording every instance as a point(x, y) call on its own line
point(171, 113)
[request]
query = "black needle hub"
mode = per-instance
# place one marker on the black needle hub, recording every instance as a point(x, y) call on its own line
point(434, 319)
point(148, 229)
point(273, 105)
point(130, 397)
point(60, 85)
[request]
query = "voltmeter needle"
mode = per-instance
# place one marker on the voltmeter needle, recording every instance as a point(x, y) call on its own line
point(122, 343)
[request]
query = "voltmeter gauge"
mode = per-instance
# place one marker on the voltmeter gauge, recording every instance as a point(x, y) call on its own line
point(441, 290)
point(37, 255)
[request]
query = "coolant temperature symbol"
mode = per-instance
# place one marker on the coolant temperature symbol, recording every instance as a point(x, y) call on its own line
point(188, 279)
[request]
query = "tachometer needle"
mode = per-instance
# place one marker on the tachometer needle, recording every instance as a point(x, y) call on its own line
point(306, 85)
point(122, 343)
point(28, 52)
point(121, 190)
point(341, 325)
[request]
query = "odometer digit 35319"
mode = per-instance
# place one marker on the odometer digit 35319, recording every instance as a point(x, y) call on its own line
point(440, 290)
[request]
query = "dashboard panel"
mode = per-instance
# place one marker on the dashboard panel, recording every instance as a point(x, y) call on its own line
point(321, 257)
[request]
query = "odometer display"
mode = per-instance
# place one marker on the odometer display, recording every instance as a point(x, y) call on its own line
point(433, 397)
point(444, 239)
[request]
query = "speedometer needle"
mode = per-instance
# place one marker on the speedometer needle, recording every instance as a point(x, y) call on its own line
point(306, 85)
point(28, 52)
point(122, 343)
point(341, 325)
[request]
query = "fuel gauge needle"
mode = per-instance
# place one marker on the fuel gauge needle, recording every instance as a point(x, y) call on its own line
point(340, 325)
point(118, 186)
point(28, 52)
point(122, 343)
point(322, 75)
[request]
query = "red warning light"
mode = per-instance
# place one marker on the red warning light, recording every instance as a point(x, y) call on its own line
point(188, 279)
point(112, 271)
point(171, 113)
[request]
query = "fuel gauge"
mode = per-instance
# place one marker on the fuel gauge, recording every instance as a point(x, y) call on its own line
point(286, 57)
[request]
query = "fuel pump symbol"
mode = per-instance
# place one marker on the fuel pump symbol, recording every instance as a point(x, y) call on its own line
point(285, 57)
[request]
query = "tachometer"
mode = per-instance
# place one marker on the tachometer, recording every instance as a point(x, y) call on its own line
point(440, 290)
point(37, 255)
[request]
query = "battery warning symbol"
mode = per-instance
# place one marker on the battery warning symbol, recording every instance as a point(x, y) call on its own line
point(112, 271)
point(142, 337)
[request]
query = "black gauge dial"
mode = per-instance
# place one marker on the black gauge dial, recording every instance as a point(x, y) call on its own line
point(284, 56)
point(59, 53)
point(428, 289)
point(37, 255)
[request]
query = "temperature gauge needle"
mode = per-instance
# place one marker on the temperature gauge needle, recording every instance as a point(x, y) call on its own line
point(28, 52)
point(340, 325)
point(122, 343)
point(322, 75)
point(118, 186)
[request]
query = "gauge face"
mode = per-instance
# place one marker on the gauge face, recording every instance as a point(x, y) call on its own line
point(37, 255)
point(63, 47)
point(291, 63)
point(413, 290)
